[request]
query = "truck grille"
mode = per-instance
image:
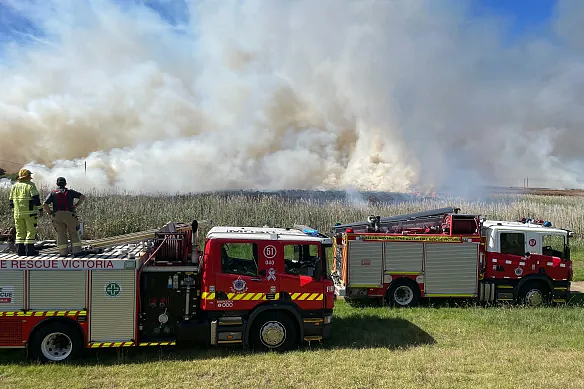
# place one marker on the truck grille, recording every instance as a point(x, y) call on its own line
point(11, 333)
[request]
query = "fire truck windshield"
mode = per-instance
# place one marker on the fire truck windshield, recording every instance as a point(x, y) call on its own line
point(555, 245)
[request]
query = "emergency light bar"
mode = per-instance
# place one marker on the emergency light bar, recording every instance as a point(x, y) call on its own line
point(527, 220)
point(308, 231)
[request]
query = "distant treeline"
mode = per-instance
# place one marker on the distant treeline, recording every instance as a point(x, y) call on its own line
point(10, 176)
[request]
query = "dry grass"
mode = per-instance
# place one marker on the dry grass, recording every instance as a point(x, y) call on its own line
point(108, 214)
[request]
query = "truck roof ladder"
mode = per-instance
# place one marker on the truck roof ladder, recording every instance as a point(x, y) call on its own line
point(431, 218)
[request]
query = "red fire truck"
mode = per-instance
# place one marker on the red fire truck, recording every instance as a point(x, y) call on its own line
point(442, 253)
point(267, 288)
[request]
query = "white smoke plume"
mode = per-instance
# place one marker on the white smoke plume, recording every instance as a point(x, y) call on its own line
point(275, 94)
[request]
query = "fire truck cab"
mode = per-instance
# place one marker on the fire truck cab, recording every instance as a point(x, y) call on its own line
point(443, 254)
point(267, 288)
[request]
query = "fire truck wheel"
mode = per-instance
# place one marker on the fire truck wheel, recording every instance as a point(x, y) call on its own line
point(273, 331)
point(534, 294)
point(55, 342)
point(403, 294)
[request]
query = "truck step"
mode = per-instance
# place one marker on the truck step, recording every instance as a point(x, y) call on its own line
point(229, 341)
point(230, 321)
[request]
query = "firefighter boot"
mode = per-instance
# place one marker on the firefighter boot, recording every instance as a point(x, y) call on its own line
point(20, 250)
point(30, 250)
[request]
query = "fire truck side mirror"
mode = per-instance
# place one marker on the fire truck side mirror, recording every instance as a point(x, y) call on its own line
point(262, 272)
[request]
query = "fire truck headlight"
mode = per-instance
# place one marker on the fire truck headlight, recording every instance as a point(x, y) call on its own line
point(328, 319)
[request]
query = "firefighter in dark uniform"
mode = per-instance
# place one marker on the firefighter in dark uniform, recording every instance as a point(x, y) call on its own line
point(26, 206)
point(64, 216)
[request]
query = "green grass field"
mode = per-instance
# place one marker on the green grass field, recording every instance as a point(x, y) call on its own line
point(444, 346)
point(372, 347)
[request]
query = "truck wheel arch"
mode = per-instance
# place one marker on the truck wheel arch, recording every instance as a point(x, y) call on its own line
point(64, 320)
point(69, 327)
point(287, 308)
point(536, 278)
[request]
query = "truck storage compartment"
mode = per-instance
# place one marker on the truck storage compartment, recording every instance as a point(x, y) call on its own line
point(403, 257)
point(366, 264)
point(451, 269)
point(11, 290)
point(57, 290)
point(113, 305)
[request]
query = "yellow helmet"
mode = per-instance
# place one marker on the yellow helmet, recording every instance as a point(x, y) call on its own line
point(24, 173)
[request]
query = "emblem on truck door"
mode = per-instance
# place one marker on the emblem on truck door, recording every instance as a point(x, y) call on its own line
point(238, 286)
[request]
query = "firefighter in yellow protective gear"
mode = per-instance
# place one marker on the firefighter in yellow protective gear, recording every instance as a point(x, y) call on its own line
point(64, 216)
point(26, 205)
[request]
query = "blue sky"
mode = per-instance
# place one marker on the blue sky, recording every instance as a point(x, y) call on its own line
point(15, 28)
point(524, 15)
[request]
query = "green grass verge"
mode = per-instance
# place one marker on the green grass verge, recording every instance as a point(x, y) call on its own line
point(577, 257)
point(425, 347)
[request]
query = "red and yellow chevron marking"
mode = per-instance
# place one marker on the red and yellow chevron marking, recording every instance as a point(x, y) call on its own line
point(157, 344)
point(240, 296)
point(110, 344)
point(42, 313)
point(307, 296)
point(128, 344)
point(262, 296)
point(250, 296)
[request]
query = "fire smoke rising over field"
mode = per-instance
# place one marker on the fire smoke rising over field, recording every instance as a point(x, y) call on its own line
point(385, 95)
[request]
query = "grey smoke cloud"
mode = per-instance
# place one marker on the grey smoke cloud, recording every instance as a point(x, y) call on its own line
point(371, 95)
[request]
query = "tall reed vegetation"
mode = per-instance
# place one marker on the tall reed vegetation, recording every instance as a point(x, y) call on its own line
point(107, 214)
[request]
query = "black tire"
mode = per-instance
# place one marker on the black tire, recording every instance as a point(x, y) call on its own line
point(56, 342)
point(534, 294)
point(273, 331)
point(403, 293)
